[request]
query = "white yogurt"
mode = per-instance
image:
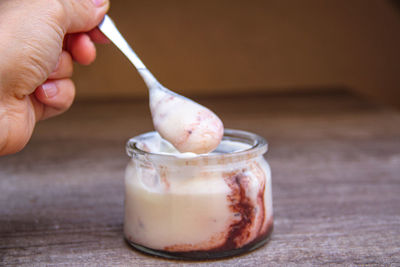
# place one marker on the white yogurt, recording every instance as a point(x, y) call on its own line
point(189, 126)
point(193, 203)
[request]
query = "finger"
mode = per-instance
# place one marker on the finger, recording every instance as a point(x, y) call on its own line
point(81, 48)
point(98, 37)
point(19, 124)
point(83, 15)
point(56, 97)
point(64, 67)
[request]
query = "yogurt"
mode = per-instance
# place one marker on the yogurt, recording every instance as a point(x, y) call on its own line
point(198, 206)
point(189, 126)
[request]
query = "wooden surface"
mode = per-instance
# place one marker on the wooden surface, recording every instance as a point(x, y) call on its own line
point(336, 184)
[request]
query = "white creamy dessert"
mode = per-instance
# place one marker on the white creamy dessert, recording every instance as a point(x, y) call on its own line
point(195, 197)
point(188, 203)
point(189, 126)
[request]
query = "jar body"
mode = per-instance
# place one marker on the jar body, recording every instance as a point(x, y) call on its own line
point(198, 210)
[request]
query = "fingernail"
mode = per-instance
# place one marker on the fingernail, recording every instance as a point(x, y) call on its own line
point(99, 3)
point(50, 89)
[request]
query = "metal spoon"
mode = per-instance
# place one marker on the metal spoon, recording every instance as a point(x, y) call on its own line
point(189, 126)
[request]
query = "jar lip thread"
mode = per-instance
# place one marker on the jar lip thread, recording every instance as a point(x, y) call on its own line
point(258, 147)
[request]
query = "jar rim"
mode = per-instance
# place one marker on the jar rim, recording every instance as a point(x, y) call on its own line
point(258, 146)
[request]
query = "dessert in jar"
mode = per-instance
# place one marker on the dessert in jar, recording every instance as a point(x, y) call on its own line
point(193, 190)
point(198, 206)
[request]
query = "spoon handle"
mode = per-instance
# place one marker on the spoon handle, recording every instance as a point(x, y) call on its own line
point(109, 29)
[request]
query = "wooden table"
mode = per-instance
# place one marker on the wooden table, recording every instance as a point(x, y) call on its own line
point(336, 183)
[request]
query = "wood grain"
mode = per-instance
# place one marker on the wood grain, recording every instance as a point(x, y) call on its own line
point(336, 184)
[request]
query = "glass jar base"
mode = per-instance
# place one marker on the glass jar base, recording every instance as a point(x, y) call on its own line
point(202, 255)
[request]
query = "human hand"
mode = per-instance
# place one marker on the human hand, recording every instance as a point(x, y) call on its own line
point(39, 39)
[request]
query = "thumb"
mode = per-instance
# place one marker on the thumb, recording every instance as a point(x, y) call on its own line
point(83, 15)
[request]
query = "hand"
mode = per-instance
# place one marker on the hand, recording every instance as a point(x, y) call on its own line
point(39, 39)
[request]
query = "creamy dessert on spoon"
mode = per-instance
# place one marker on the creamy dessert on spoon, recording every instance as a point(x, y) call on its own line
point(187, 125)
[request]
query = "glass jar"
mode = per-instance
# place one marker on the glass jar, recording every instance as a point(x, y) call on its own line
point(203, 207)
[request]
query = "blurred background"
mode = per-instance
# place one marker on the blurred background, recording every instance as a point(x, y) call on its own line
point(228, 47)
